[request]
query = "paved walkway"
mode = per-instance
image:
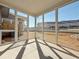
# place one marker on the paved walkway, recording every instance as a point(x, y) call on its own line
point(36, 49)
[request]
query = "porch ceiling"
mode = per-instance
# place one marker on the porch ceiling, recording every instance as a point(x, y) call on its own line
point(35, 7)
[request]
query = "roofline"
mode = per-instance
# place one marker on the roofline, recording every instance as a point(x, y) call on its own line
point(69, 21)
point(49, 10)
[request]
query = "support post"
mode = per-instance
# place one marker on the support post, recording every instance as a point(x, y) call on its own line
point(0, 37)
point(35, 27)
point(43, 26)
point(27, 26)
point(56, 25)
point(16, 27)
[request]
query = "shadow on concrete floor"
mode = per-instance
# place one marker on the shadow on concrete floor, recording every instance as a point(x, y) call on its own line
point(40, 52)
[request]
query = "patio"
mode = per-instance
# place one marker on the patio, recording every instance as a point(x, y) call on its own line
point(37, 44)
point(36, 49)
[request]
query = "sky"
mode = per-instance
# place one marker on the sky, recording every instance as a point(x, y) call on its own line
point(68, 12)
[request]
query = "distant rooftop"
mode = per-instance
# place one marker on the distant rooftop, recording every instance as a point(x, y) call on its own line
point(68, 21)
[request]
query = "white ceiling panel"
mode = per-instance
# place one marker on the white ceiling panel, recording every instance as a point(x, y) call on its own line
point(34, 7)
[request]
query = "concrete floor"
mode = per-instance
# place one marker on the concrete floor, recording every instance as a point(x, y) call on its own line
point(36, 49)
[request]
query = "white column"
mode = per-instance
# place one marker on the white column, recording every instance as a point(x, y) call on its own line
point(16, 27)
point(35, 27)
point(56, 25)
point(0, 30)
point(23, 25)
point(0, 37)
point(43, 26)
point(27, 26)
